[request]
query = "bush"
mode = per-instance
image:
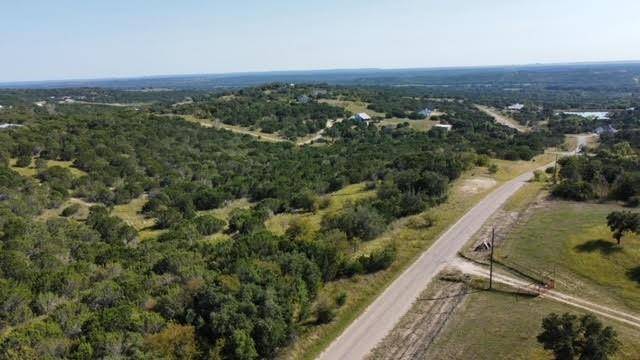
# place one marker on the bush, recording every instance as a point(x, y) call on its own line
point(304, 201)
point(341, 298)
point(23, 161)
point(422, 221)
point(360, 221)
point(167, 218)
point(493, 168)
point(539, 176)
point(578, 191)
point(324, 312)
point(634, 201)
point(70, 210)
point(206, 199)
point(378, 260)
point(207, 224)
point(324, 202)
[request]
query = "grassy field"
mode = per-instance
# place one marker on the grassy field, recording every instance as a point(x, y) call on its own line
point(510, 169)
point(278, 224)
point(418, 125)
point(573, 243)
point(131, 213)
point(31, 170)
point(237, 129)
point(353, 106)
point(499, 325)
point(82, 213)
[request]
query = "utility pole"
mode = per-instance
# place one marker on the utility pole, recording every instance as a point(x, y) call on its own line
point(555, 170)
point(493, 235)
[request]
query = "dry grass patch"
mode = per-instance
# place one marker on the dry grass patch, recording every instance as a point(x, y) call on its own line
point(32, 171)
point(131, 213)
point(236, 129)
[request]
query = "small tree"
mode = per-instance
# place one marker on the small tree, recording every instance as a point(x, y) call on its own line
point(586, 338)
point(621, 222)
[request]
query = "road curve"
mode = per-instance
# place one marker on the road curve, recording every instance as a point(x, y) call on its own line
point(383, 314)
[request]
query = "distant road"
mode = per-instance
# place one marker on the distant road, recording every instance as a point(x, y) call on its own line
point(502, 119)
point(383, 314)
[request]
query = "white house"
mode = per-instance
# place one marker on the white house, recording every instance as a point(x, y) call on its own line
point(362, 117)
point(303, 99)
point(447, 127)
point(426, 112)
point(606, 130)
point(515, 107)
point(9, 126)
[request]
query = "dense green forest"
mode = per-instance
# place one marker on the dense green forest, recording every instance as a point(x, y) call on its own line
point(91, 288)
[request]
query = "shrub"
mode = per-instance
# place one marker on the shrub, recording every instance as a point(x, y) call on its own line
point(324, 202)
point(578, 191)
point(167, 218)
point(422, 221)
point(493, 168)
point(324, 312)
point(341, 298)
point(207, 224)
point(70, 210)
point(378, 260)
point(539, 176)
point(23, 161)
point(361, 222)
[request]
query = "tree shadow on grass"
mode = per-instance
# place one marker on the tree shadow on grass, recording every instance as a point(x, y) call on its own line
point(634, 274)
point(603, 246)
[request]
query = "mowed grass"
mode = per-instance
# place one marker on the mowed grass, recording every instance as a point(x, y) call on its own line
point(499, 325)
point(572, 243)
point(353, 106)
point(418, 125)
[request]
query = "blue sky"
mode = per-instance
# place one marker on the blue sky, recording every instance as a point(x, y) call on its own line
point(69, 39)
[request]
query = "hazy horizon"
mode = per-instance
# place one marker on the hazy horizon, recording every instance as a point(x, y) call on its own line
point(73, 40)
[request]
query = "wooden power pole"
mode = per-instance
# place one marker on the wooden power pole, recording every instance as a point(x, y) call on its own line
point(555, 170)
point(493, 236)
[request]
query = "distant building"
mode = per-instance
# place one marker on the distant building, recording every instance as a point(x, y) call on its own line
point(303, 99)
point(447, 127)
point(515, 107)
point(606, 130)
point(318, 92)
point(598, 115)
point(9, 126)
point(426, 112)
point(364, 117)
point(40, 103)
